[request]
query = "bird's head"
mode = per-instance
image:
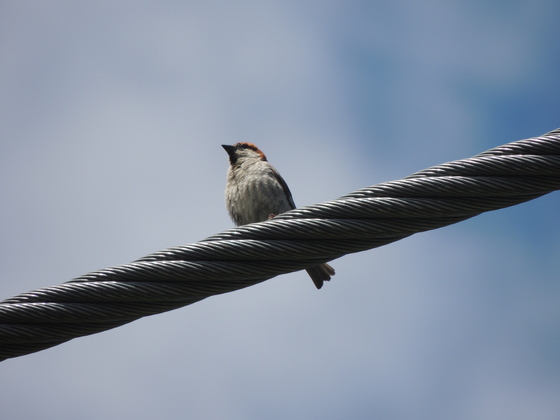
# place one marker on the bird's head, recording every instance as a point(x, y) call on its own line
point(240, 152)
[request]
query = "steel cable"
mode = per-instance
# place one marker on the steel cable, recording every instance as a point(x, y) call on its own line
point(301, 238)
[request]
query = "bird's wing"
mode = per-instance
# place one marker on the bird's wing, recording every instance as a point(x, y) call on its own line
point(279, 178)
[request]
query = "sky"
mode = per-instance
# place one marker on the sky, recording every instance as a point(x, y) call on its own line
point(112, 114)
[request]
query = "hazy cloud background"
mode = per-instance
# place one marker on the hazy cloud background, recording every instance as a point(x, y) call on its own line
point(111, 120)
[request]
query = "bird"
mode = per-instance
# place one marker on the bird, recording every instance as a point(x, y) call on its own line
point(256, 192)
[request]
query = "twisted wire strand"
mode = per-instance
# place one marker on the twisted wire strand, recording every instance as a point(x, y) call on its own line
point(246, 255)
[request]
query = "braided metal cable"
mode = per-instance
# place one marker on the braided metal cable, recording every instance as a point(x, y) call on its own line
point(301, 238)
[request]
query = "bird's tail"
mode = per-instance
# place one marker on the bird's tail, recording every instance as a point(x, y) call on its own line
point(320, 273)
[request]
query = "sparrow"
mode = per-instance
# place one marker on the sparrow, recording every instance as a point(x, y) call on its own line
point(256, 192)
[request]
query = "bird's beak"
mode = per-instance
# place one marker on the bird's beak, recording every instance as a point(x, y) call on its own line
point(229, 149)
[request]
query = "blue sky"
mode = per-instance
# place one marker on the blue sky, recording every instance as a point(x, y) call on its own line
point(111, 119)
